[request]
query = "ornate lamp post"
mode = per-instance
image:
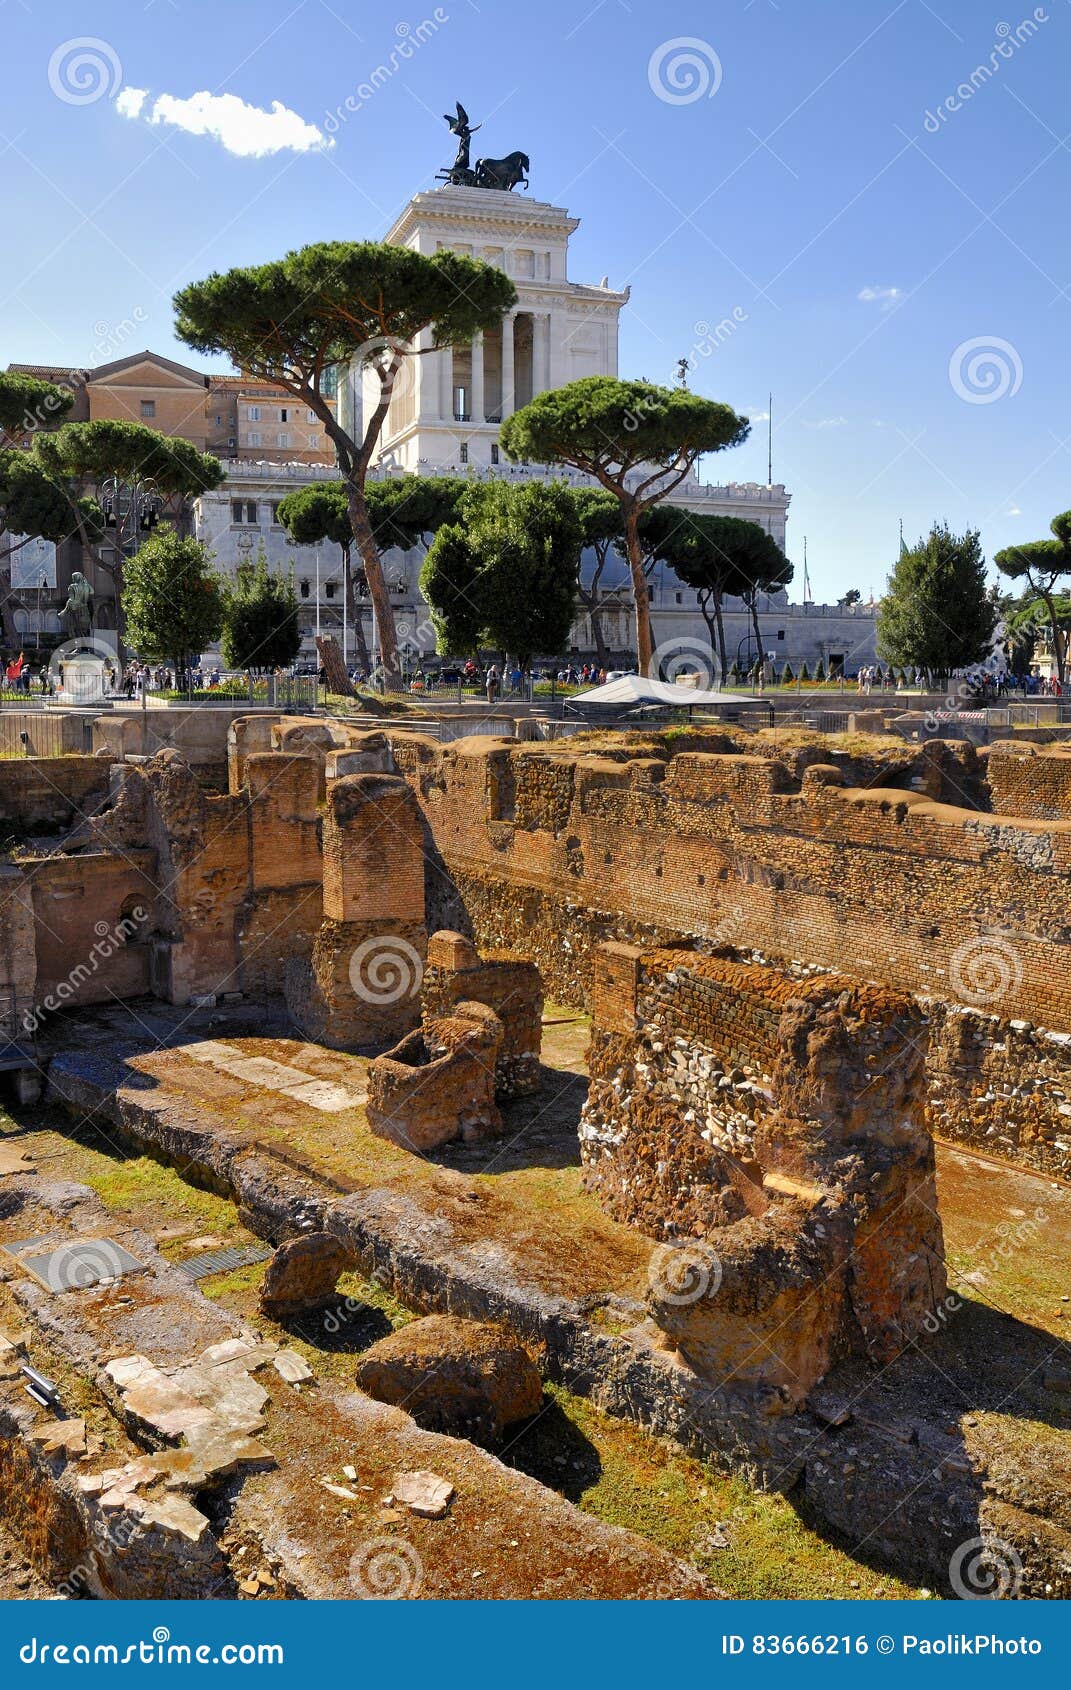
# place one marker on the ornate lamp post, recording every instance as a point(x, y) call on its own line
point(131, 509)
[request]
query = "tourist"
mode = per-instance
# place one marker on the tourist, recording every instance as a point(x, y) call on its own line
point(492, 684)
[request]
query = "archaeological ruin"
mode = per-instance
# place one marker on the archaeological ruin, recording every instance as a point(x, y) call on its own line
point(702, 1087)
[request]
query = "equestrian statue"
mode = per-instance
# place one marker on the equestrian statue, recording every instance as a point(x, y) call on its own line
point(502, 173)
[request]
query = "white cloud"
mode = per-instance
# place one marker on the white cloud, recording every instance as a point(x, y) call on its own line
point(129, 101)
point(828, 422)
point(885, 297)
point(1013, 511)
point(244, 130)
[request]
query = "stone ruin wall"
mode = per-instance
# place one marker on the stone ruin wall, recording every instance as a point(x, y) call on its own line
point(770, 1127)
point(1024, 783)
point(549, 852)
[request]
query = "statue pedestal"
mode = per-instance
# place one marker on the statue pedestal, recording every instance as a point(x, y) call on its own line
point(83, 680)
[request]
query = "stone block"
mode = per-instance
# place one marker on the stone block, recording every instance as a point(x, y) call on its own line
point(302, 1274)
point(456, 1376)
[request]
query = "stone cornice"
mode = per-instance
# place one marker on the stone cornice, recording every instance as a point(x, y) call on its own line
point(491, 209)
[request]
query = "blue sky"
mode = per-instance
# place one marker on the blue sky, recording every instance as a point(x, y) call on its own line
point(893, 256)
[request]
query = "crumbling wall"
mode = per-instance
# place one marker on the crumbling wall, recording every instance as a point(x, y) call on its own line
point(770, 1129)
point(438, 1084)
point(360, 990)
point(455, 972)
point(879, 883)
point(44, 794)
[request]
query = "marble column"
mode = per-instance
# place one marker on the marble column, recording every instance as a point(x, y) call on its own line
point(508, 406)
point(429, 408)
point(541, 353)
point(477, 380)
point(557, 328)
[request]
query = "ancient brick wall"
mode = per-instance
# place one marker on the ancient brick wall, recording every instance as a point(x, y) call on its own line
point(456, 973)
point(360, 988)
point(779, 1120)
point(83, 952)
point(1024, 784)
point(39, 794)
point(879, 883)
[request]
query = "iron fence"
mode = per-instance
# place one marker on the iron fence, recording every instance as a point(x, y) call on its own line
point(280, 692)
point(42, 734)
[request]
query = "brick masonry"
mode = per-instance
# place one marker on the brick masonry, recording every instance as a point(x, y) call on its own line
point(771, 1129)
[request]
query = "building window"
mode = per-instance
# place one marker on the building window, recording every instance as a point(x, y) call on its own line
point(148, 407)
point(494, 454)
point(284, 439)
point(678, 598)
point(304, 589)
point(283, 413)
point(219, 420)
point(275, 513)
point(254, 413)
point(310, 416)
point(244, 511)
point(780, 633)
point(254, 439)
point(329, 590)
point(464, 451)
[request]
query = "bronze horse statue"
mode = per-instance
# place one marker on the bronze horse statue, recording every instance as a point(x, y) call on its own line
point(503, 172)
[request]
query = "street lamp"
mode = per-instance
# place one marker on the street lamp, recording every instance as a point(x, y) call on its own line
point(131, 509)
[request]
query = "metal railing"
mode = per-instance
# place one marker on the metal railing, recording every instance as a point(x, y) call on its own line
point(275, 692)
point(43, 734)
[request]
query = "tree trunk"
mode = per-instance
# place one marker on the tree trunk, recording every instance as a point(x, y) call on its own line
point(354, 464)
point(1059, 646)
point(354, 612)
point(590, 600)
point(602, 656)
point(644, 642)
point(755, 624)
point(377, 585)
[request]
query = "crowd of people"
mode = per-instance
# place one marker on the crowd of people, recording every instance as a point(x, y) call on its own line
point(138, 678)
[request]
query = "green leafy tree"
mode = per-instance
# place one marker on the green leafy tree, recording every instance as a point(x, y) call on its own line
point(319, 514)
point(449, 581)
point(820, 671)
point(805, 673)
point(79, 457)
point(936, 612)
point(1041, 564)
point(719, 557)
point(33, 507)
point(260, 619)
point(1024, 615)
point(601, 528)
point(172, 600)
point(787, 677)
point(636, 440)
point(30, 506)
point(295, 320)
point(28, 404)
point(506, 576)
point(403, 510)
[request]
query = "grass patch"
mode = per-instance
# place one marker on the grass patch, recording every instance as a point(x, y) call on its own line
point(628, 1478)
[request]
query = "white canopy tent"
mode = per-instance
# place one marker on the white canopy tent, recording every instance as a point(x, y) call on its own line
point(632, 691)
